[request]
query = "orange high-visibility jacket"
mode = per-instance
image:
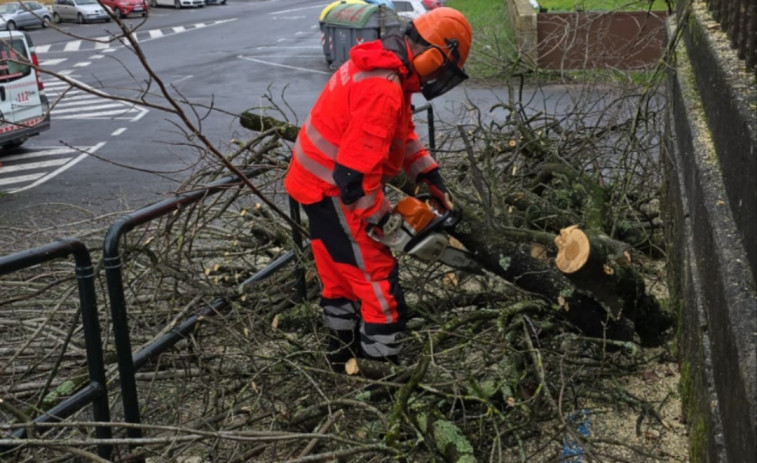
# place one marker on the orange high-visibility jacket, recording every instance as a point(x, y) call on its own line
point(362, 121)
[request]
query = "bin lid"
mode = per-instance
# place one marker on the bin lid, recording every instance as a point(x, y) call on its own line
point(356, 14)
point(331, 6)
point(386, 3)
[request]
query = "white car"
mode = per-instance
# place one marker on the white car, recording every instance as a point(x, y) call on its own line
point(409, 9)
point(81, 11)
point(178, 3)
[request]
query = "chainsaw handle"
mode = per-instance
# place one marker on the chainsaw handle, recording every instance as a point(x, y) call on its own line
point(448, 218)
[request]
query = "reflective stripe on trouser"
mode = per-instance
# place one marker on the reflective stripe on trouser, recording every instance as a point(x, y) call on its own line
point(340, 314)
point(354, 267)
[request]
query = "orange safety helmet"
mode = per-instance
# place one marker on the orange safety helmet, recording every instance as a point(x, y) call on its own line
point(447, 36)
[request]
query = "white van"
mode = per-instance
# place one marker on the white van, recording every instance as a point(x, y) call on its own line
point(24, 109)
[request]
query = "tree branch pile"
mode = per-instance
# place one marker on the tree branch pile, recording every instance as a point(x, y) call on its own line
point(530, 362)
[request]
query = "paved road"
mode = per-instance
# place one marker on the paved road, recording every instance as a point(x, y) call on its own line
point(219, 60)
point(104, 156)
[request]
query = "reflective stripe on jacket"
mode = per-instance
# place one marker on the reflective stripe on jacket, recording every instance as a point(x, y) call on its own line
point(363, 121)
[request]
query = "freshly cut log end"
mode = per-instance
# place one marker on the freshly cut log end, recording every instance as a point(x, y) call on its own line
point(573, 249)
point(351, 367)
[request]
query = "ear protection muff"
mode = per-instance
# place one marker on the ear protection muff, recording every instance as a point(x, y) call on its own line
point(428, 61)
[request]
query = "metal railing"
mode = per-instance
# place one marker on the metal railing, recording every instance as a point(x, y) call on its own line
point(738, 19)
point(128, 363)
point(95, 392)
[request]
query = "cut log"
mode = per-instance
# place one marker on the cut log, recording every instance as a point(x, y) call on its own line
point(495, 252)
point(599, 266)
point(373, 369)
point(573, 249)
point(254, 121)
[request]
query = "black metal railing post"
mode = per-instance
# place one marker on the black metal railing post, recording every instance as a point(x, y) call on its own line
point(431, 129)
point(96, 391)
point(294, 213)
point(114, 278)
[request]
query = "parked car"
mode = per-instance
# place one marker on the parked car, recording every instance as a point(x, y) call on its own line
point(18, 15)
point(123, 8)
point(409, 9)
point(177, 3)
point(81, 11)
point(431, 4)
point(23, 104)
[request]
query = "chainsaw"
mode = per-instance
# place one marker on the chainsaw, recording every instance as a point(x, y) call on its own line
point(418, 228)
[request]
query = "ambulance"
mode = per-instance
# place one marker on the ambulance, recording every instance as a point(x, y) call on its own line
point(24, 108)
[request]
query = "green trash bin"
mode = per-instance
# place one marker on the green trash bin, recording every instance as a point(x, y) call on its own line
point(348, 24)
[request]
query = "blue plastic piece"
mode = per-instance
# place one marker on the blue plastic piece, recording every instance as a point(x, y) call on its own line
point(572, 452)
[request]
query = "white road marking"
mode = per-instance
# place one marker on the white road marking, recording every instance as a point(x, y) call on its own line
point(93, 107)
point(34, 165)
point(60, 170)
point(182, 79)
point(37, 154)
point(72, 46)
point(118, 132)
point(117, 112)
point(248, 58)
point(65, 103)
point(52, 62)
point(82, 64)
point(19, 179)
point(300, 9)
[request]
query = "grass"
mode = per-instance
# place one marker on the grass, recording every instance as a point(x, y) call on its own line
point(603, 5)
point(493, 37)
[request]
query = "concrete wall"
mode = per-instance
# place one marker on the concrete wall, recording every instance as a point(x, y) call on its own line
point(619, 40)
point(711, 211)
point(586, 40)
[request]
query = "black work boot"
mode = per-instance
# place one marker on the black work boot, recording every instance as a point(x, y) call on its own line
point(395, 359)
point(343, 345)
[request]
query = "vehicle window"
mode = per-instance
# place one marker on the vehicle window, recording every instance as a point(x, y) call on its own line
point(403, 6)
point(87, 2)
point(13, 62)
point(8, 8)
point(33, 6)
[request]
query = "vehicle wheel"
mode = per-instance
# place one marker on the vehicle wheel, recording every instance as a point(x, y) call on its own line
point(46, 21)
point(80, 18)
point(11, 26)
point(223, 2)
point(177, 4)
point(117, 13)
point(14, 143)
point(153, 4)
point(56, 18)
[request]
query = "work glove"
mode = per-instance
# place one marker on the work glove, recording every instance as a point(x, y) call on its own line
point(437, 188)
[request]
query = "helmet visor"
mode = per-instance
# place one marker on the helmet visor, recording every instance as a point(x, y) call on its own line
point(449, 77)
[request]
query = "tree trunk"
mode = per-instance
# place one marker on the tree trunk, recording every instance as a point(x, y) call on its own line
point(514, 263)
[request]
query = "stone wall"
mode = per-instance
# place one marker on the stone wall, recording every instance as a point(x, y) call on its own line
point(711, 212)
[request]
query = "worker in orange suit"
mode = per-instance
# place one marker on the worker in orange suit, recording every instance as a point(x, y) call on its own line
point(359, 135)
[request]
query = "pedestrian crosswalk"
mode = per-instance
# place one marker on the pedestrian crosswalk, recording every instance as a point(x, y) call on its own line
point(19, 172)
point(70, 102)
point(118, 40)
